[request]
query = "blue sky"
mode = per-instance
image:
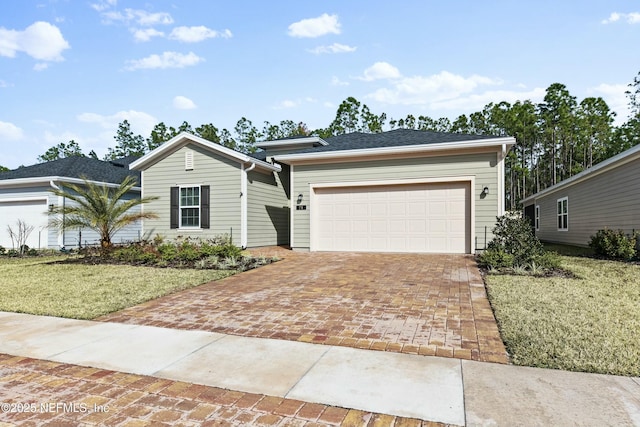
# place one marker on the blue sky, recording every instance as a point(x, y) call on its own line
point(74, 69)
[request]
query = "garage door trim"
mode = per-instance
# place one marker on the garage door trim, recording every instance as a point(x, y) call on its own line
point(373, 183)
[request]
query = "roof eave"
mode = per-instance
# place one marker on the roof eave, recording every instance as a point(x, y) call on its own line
point(404, 149)
point(185, 138)
point(24, 182)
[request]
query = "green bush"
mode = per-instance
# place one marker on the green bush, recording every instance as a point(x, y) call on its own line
point(2, 250)
point(495, 258)
point(515, 246)
point(614, 244)
point(513, 234)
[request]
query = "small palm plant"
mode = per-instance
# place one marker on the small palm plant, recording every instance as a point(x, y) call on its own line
point(98, 207)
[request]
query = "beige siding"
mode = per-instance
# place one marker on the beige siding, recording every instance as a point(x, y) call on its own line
point(608, 200)
point(268, 208)
point(221, 173)
point(482, 166)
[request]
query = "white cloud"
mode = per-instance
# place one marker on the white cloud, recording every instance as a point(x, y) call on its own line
point(287, 103)
point(104, 5)
point(141, 123)
point(183, 103)
point(631, 18)
point(5, 84)
point(315, 27)
point(40, 40)
point(197, 34)
point(475, 102)
point(166, 60)
point(10, 132)
point(138, 16)
point(429, 90)
point(40, 66)
point(146, 34)
point(380, 70)
point(335, 81)
point(334, 48)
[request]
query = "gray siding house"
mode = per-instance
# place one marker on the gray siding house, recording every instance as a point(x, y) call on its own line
point(397, 191)
point(606, 195)
point(25, 194)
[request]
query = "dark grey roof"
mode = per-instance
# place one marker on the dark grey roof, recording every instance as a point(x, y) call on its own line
point(392, 138)
point(113, 171)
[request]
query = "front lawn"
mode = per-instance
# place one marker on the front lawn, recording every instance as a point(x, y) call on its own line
point(590, 323)
point(41, 285)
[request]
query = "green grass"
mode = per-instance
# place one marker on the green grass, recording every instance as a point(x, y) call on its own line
point(43, 286)
point(568, 250)
point(589, 324)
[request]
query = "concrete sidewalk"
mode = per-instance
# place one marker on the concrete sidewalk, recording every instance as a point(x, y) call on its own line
point(452, 391)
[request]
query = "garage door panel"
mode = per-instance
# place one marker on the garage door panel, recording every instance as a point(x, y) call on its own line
point(394, 218)
point(32, 212)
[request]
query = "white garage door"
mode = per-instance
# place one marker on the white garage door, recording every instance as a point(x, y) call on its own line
point(431, 217)
point(32, 212)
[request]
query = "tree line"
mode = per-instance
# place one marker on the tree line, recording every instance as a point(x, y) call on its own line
point(555, 139)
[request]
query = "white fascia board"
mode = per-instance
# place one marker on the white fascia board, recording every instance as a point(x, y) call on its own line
point(184, 138)
point(291, 142)
point(610, 163)
point(405, 149)
point(45, 180)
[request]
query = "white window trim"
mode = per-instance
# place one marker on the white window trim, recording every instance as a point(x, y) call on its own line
point(536, 219)
point(180, 207)
point(561, 214)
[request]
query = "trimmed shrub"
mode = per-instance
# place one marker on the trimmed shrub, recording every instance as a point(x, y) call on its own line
point(495, 258)
point(613, 244)
point(515, 246)
point(513, 234)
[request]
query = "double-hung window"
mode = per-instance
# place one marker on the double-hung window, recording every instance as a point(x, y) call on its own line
point(563, 214)
point(537, 217)
point(189, 206)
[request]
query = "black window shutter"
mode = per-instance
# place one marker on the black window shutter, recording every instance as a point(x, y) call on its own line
point(175, 207)
point(204, 207)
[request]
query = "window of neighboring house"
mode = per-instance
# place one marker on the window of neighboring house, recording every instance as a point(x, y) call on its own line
point(537, 219)
point(563, 214)
point(189, 206)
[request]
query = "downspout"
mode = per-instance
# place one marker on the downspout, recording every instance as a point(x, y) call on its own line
point(244, 203)
point(61, 237)
point(502, 198)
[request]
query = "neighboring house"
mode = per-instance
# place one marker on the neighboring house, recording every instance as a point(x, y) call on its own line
point(25, 194)
point(606, 195)
point(397, 191)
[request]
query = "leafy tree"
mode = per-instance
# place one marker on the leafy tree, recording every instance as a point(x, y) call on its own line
point(4, 169)
point(98, 207)
point(208, 132)
point(61, 151)
point(127, 143)
point(285, 129)
point(557, 115)
point(594, 124)
point(159, 135)
point(246, 135)
point(353, 116)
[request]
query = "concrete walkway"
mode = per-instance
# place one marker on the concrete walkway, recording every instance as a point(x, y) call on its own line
point(453, 391)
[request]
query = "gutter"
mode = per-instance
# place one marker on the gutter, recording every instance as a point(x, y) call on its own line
point(405, 149)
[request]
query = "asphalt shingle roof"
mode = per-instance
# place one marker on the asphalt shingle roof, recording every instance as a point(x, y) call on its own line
point(392, 138)
point(113, 171)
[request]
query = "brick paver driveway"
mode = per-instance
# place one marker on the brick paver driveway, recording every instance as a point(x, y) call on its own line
point(411, 303)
